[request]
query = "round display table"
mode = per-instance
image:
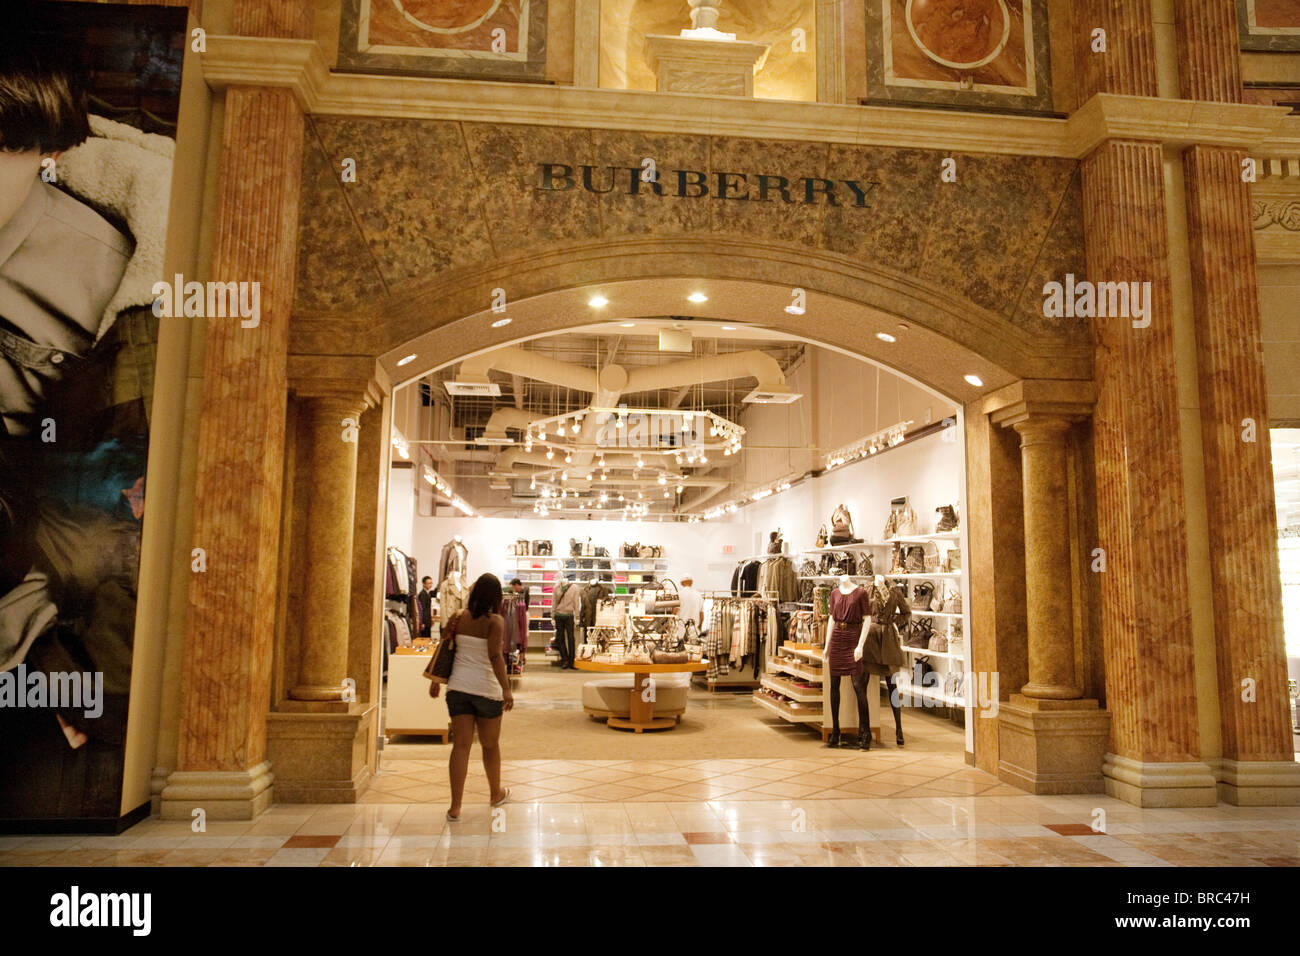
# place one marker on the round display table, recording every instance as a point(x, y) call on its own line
point(641, 712)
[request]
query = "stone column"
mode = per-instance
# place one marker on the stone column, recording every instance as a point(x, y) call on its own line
point(320, 737)
point(1051, 739)
point(1257, 765)
point(1049, 606)
point(332, 424)
point(222, 765)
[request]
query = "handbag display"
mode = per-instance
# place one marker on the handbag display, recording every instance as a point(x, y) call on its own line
point(901, 523)
point(823, 539)
point(630, 550)
point(636, 651)
point(542, 547)
point(918, 634)
point(922, 595)
point(939, 642)
point(953, 559)
point(947, 519)
point(896, 560)
point(585, 652)
point(952, 603)
point(443, 656)
point(609, 613)
point(521, 547)
point(842, 526)
point(575, 548)
point(913, 558)
point(670, 657)
point(774, 543)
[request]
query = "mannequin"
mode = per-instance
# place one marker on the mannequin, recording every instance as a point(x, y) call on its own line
point(881, 647)
point(850, 614)
point(455, 557)
point(452, 595)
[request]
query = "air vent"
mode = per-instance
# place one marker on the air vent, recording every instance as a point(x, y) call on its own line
point(493, 439)
point(472, 388)
point(499, 484)
point(772, 395)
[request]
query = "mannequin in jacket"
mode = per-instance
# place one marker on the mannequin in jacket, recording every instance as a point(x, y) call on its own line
point(455, 557)
point(888, 607)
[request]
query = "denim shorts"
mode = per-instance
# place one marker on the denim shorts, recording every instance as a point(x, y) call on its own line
point(460, 704)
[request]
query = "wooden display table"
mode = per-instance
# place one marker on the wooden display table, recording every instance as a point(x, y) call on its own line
point(641, 713)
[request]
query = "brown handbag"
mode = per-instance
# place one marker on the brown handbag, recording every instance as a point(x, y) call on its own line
point(822, 538)
point(443, 658)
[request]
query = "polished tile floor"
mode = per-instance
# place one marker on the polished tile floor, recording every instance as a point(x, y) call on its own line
point(834, 809)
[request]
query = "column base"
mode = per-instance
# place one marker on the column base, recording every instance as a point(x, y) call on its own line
point(1183, 784)
point(220, 794)
point(1052, 746)
point(1259, 783)
point(320, 758)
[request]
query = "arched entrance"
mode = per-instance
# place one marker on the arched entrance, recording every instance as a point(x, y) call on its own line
point(1029, 509)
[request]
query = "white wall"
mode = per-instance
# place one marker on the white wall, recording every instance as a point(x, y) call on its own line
point(928, 471)
point(690, 549)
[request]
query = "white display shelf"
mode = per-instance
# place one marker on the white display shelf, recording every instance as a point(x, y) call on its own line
point(921, 651)
point(788, 689)
point(796, 716)
point(808, 653)
point(945, 614)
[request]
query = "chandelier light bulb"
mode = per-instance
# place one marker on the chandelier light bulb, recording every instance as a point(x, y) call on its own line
point(550, 453)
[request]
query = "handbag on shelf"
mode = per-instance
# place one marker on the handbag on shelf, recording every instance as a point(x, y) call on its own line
point(896, 560)
point(918, 634)
point(955, 638)
point(542, 547)
point(670, 657)
point(901, 523)
point(585, 652)
point(952, 603)
point(823, 539)
point(939, 642)
point(630, 550)
point(922, 595)
point(953, 559)
point(521, 547)
point(443, 656)
point(841, 526)
point(694, 652)
point(575, 548)
point(650, 551)
point(932, 559)
point(948, 519)
point(914, 558)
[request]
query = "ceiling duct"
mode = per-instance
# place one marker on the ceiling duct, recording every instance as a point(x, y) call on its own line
point(467, 389)
point(772, 395)
point(494, 432)
point(675, 340)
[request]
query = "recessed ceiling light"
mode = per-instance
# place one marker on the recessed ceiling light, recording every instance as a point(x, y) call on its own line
point(500, 322)
point(406, 361)
point(698, 297)
point(728, 328)
point(794, 309)
point(885, 337)
point(628, 325)
point(598, 302)
point(975, 380)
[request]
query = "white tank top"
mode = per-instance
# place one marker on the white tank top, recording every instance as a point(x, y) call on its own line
point(472, 672)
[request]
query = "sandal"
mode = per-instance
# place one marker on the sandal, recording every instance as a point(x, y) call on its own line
point(451, 818)
point(504, 797)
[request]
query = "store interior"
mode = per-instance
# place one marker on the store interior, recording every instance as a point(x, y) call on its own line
point(625, 458)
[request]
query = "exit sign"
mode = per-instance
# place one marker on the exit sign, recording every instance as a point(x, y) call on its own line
point(728, 548)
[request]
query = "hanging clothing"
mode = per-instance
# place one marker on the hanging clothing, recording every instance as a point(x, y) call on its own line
point(592, 595)
point(749, 577)
point(455, 557)
point(778, 575)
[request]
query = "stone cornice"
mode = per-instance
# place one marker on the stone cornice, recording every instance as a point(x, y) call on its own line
point(300, 66)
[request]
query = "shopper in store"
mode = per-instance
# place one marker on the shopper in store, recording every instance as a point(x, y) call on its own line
point(424, 602)
point(567, 609)
point(478, 691)
point(518, 587)
point(691, 607)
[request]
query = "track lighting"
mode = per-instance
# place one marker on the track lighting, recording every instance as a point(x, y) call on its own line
point(550, 453)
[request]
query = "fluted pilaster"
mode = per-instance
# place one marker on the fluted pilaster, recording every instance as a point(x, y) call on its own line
point(1209, 50)
point(1238, 473)
point(241, 439)
point(273, 18)
point(1129, 64)
point(1150, 685)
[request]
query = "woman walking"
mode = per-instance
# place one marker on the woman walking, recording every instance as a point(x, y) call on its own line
point(478, 690)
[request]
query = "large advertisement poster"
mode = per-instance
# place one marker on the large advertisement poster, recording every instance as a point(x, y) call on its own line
point(88, 103)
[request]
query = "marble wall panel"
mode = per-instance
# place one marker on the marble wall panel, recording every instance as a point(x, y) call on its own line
point(432, 196)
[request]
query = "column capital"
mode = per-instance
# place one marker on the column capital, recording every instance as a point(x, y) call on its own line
point(342, 378)
point(1040, 400)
